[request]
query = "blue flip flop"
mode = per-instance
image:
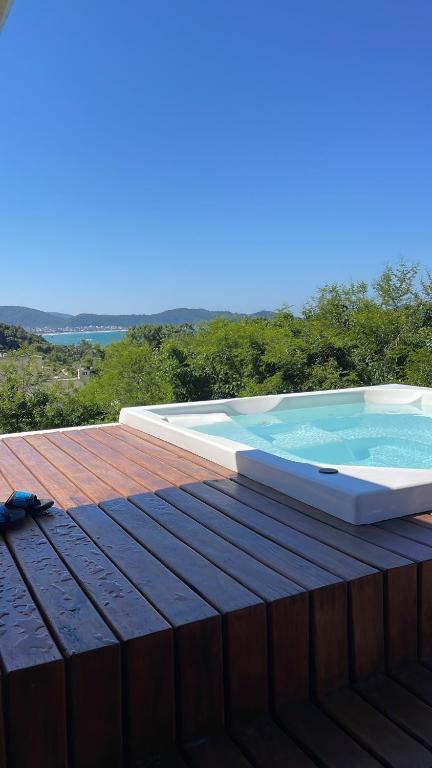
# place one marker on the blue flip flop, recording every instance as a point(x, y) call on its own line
point(19, 505)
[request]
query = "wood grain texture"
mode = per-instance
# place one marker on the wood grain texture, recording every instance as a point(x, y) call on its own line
point(324, 740)
point(34, 677)
point(91, 651)
point(176, 451)
point(277, 529)
point(147, 639)
point(375, 732)
point(58, 485)
point(198, 631)
point(244, 615)
point(220, 585)
point(401, 707)
point(267, 746)
point(288, 604)
point(140, 450)
point(313, 522)
point(146, 466)
point(401, 615)
point(367, 630)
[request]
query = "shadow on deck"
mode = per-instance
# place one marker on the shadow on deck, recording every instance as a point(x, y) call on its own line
point(204, 621)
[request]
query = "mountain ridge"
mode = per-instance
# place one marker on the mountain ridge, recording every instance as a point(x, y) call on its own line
point(40, 320)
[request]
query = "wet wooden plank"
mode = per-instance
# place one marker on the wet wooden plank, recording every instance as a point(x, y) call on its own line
point(87, 481)
point(140, 449)
point(375, 732)
point(311, 524)
point(17, 476)
point(244, 614)
point(95, 442)
point(57, 484)
point(147, 639)
point(116, 479)
point(198, 633)
point(91, 650)
point(175, 450)
point(400, 574)
point(328, 594)
point(123, 463)
point(198, 503)
point(400, 706)
point(373, 534)
point(34, 679)
point(288, 604)
point(325, 741)
point(267, 746)
point(366, 622)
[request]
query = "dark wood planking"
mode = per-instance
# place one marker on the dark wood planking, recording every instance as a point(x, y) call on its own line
point(267, 746)
point(366, 626)
point(5, 488)
point(196, 503)
point(417, 528)
point(401, 615)
point(198, 636)
point(400, 574)
point(244, 614)
point(34, 677)
point(400, 706)
point(155, 464)
point(365, 583)
point(147, 639)
point(424, 519)
point(323, 739)
point(328, 594)
point(372, 534)
point(329, 639)
point(176, 450)
point(417, 679)
point(58, 485)
point(17, 475)
point(75, 458)
point(111, 457)
point(374, 556)
point(87, 481)
point(420, 536)
point(375, 732)
point(142, 449)
point(215, 753)
point(91, 650)
point(288, 604)
point(278, 530)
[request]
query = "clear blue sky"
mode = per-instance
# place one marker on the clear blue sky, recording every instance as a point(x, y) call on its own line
point(232, 154)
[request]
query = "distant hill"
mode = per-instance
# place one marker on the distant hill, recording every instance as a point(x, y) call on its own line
point(13, 337)
point(37, 320)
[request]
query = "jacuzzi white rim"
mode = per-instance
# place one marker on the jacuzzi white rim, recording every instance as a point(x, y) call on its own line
point(356, 494)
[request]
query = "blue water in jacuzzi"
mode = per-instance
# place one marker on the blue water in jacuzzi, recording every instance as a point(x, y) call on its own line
point(350, 434)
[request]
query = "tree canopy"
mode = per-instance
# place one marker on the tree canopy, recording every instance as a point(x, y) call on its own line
point(346, 335)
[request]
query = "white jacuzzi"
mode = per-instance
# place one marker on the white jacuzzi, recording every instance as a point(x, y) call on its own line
point(362, 454)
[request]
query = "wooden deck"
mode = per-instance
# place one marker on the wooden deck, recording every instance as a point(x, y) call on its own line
point(168, 613)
